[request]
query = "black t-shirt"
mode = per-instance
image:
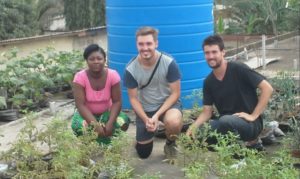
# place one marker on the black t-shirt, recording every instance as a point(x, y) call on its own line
point(236, 92)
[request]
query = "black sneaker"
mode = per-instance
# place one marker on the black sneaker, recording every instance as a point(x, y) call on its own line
point(170, 150)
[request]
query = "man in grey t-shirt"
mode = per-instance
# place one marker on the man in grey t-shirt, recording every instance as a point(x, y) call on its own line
point(153, 83)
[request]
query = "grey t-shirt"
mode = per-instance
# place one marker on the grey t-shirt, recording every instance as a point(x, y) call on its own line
point(155, 94)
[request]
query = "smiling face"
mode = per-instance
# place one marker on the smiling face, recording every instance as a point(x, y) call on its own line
point(96, 61)
point(146, 46)
point(214, 56)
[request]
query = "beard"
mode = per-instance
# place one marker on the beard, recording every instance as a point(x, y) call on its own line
point(216, 65)
point(146, 56)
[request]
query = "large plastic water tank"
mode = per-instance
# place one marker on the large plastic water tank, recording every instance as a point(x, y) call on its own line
point(182, 25)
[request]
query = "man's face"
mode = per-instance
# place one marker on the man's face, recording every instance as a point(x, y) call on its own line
point(146, 46)
point(213, 55)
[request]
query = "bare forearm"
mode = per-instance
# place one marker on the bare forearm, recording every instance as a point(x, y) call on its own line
point(262, 103)
point(85, 113)
point(203, 117)
point(137, 107)
point(266, 92)
point(172, 99)
point(114, 111)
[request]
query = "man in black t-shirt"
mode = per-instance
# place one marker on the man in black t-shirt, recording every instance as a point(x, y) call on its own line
point(231, 87)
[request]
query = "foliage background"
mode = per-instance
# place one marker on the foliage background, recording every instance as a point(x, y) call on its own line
point(24, 18)
point(271, 17)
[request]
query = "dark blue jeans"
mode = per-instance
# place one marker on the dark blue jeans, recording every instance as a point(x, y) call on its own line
point(246, 130)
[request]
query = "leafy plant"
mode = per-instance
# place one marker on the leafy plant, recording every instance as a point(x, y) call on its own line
point(24, 154)
point(27, 78)
point(83, 14)
point(196, 97)
point(196, 158)
point(114, 160)
point(272, 17)
point(22, 19)
point(253, 164)
point(3, 104)
point(295, 141)
point(231, 159)
point(67, 156)
point(283, 102)
point(220, 25)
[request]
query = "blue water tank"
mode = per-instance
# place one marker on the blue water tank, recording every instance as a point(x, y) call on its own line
point(182, 27)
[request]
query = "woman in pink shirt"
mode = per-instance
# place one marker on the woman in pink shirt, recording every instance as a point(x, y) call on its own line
point(97, 96)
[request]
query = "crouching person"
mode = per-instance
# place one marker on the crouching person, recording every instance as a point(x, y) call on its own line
point(98, 97)
point(153, 83)
point(232, 88)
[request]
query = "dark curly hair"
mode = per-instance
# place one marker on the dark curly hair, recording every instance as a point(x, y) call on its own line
point(93, 48)
point(214, 40)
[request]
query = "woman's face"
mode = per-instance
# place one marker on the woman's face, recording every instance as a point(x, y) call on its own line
point(96, 61)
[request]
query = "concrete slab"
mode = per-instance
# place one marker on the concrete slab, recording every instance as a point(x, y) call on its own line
point(255, 62)
point(11, 130)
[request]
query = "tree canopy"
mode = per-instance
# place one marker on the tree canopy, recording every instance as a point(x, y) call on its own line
point(262, 16)
point(23, 18)
point(17, 19)
point(84, 13)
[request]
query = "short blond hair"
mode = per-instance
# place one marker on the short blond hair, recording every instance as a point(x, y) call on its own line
point(147, 30)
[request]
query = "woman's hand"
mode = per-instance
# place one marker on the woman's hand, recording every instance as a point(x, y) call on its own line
point(99, 129)
point(109, 129)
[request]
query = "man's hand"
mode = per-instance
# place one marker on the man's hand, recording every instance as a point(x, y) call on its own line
point(148, 123)
point(152, 124)
point(189, 132)
point(192, 130)
point(246, 116)
point(155, 120)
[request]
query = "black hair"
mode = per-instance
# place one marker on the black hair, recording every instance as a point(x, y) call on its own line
point(214, 40)
point(93, 48)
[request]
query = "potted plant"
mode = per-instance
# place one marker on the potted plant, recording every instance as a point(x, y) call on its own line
point(7, 114)
point(296, 139)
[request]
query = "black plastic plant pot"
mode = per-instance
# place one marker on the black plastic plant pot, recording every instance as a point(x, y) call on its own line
point(52, 90)
point(186, 126)
point(160, 133)
point(285, 127)
point(8, 115)
point(65, 87)
point(70, 95)
point(297, 166)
